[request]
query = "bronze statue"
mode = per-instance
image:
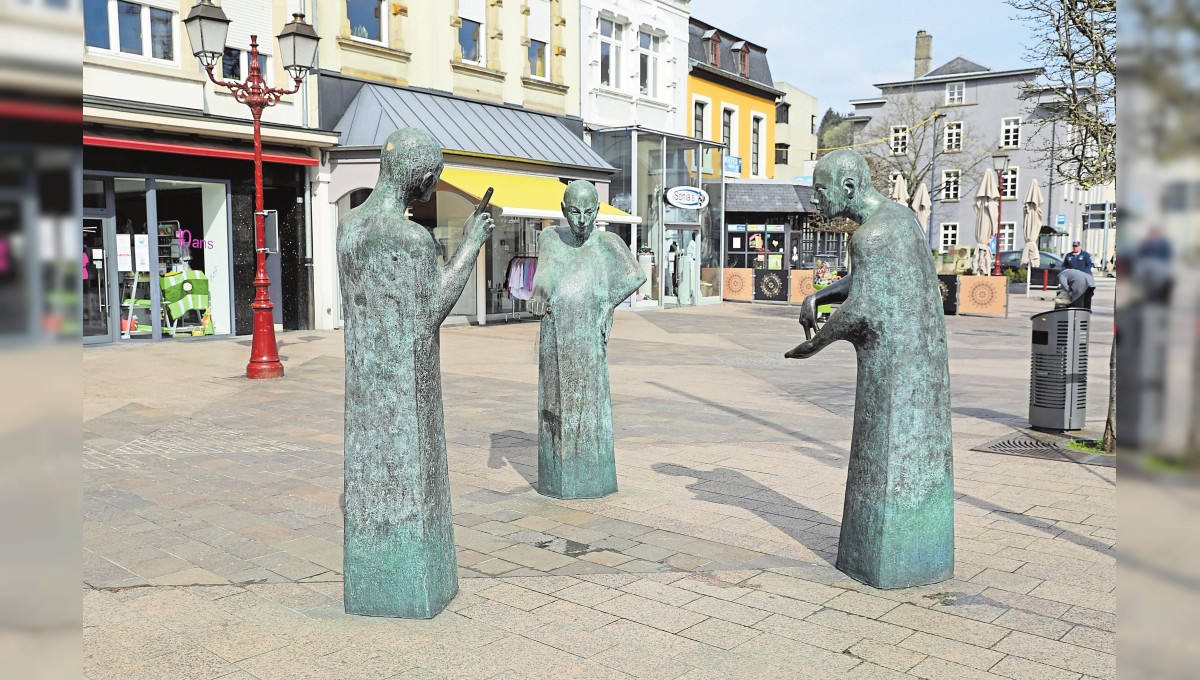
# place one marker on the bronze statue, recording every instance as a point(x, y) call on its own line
point(898, 519)
point(582, 275)
point(399, 555)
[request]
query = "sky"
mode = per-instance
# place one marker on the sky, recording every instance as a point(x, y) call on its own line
point(836, 50)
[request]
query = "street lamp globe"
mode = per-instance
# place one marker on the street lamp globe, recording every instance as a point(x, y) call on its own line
point(298, 46)
point(207, 27)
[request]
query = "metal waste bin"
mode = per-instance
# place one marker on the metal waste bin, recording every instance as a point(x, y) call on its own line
point(1058, 369)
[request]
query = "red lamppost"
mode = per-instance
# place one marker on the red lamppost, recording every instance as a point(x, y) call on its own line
point(1000, 163)
point(207, 27)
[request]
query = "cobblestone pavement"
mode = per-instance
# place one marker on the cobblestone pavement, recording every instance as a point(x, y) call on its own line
point(212, 531)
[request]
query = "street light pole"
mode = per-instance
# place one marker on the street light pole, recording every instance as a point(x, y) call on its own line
point(1000, 164)
point(207, 27)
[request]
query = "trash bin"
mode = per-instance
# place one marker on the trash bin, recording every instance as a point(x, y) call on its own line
point(1058, 369)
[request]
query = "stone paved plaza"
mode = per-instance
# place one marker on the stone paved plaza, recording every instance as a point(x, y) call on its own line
point(212, 529)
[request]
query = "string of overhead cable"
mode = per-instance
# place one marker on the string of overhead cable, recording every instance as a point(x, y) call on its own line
point(876, 141)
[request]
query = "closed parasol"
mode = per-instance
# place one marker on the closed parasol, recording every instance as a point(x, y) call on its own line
point(1032, 225)
point(899, 190)
point(987, 209)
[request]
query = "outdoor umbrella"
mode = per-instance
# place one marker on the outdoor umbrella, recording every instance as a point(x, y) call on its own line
point(1032, 225)
point(900, 190)
point(987, 208)
point(922, 205)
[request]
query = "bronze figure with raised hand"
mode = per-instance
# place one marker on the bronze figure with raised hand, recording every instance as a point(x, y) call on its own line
point(898, 519)
point(399, 557)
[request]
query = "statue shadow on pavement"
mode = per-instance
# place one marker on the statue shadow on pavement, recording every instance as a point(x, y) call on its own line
point(796, 523)
point(519, 450)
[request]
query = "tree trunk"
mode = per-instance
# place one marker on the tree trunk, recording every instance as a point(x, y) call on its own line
point(1109, 443)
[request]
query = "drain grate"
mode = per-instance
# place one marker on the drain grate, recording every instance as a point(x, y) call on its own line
point(1030, 446)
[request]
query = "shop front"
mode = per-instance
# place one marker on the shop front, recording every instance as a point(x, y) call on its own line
point(169, 242)
point(772, 247)
point(674, 186)
point(526, 157)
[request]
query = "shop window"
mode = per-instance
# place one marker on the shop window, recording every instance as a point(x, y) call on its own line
point(367, 20)
point(130, 29)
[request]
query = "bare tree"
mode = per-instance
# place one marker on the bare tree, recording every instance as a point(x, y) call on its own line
point(1074, 42)
point(908, 113)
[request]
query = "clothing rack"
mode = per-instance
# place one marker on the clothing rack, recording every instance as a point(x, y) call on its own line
point(515, 314)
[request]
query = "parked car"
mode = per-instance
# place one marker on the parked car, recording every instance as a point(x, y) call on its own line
point(1050, 266)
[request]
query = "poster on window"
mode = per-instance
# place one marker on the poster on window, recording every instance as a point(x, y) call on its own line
point(141, 251)
point(124, 253)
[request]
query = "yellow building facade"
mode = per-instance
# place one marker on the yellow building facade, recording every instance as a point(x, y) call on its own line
point(731, 99)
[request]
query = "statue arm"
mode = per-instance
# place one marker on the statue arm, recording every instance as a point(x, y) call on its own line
point(629, 277)
point(837, 291)
point(453, 276)
point(843, 324)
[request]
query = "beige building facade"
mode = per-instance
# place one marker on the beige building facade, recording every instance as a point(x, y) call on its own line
point(796, 117)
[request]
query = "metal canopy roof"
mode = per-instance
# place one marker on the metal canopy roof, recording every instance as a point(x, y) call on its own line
point(766, 197)
point(475, 128)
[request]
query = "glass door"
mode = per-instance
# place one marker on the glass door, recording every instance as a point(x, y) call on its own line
point(681, 273)
point(97, 291)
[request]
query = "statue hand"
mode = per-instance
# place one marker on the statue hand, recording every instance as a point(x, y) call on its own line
point(808, 316)
point(478, 227)
point(804, 350)
point(539, 306)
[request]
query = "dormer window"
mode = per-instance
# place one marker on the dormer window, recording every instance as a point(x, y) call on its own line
point(713, 41)
point(741, 52)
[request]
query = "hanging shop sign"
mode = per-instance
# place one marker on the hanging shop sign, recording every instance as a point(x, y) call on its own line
point(732, 166)
point(690, 198)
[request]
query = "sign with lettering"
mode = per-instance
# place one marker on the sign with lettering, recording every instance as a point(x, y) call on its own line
point(733, 166)
point(687, 197)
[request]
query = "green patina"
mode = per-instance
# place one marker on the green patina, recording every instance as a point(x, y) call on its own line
point(582, 275)
point(399, 555)
point(898, 520)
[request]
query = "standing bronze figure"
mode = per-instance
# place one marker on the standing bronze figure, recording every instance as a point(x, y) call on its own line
point(399, 546)
point(898, 520)
point(582, 275)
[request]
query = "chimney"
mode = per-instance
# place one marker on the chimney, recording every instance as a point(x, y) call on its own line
point(924, 56)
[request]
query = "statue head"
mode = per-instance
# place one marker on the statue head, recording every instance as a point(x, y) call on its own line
point(580, 205)
point(410, 163)
point(840, 181)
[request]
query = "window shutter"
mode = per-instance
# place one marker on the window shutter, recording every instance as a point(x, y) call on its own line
point(250, 17)
point(539, 20)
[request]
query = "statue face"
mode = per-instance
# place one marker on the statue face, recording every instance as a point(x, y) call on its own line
point(829, 196)
point(580, 211)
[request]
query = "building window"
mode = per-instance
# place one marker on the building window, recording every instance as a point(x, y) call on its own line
point(714, 51)
point(537, 58)
point(755, 126)
point(781, 154)
point(727, 129)
point(1008, 236)
point(951, 184)
point(949, 235)
point(1008, 188)
point(698, 120)
point(954, 136)
point(470, 34)
point(648, 46)
point(235, 64)
point(899, 140)
point(1010, 133)
point(366, 19)
point(781, 113)
point(744, 62)
point(132, 28)
point(610, 53)
point(955, 93)
point(538, 33)
point(815, 127)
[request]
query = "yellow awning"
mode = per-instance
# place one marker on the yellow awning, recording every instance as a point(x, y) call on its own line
point(523, 195)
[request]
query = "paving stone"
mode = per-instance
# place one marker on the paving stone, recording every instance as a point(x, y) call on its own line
point(1092, 638)
point(859, 625)
point(889, 656)
point(862, 604)
point(768, 648)
point(778, 604)
point(1019, 669)
point(667, 594)
point(588, 594)
point(1091, 618)
point(651, 613)
point(1059, 654)
point(793, 587)
point(1036, 624)
point(727, 611)
point(952, 650)
point(933, 668)
point(945, 625)
point(719, 633)
point(535, 558)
